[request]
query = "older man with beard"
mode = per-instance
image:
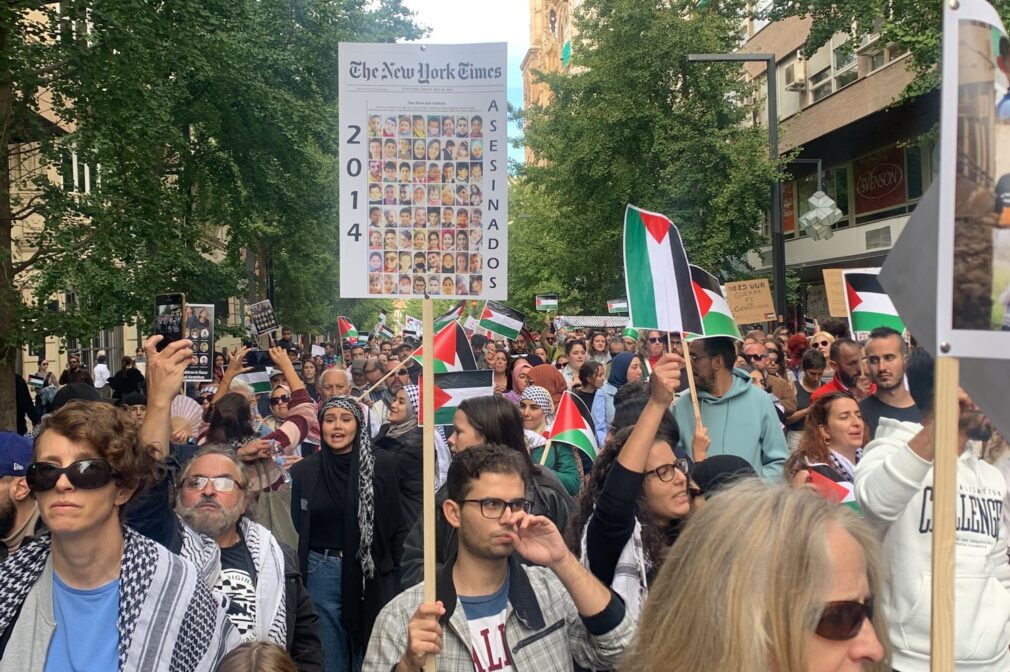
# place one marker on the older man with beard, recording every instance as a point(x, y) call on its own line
point(267, 600)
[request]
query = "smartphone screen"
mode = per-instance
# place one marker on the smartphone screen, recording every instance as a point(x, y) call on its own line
point(169, 310)
point(258, 358)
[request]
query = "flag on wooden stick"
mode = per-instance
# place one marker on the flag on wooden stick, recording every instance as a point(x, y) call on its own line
point(716, 317)
point(657, 275)
point(571, 427)
point(502, 320)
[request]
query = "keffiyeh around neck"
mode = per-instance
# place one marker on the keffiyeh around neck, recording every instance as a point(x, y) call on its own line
point(366, 474)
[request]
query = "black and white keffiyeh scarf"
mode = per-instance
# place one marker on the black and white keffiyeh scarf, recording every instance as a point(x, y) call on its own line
point(169, 621)
point(366, 475)
point(268, 560)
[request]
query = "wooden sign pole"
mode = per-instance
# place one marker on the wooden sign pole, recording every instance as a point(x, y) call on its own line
point(947, 414)
point(428, 468)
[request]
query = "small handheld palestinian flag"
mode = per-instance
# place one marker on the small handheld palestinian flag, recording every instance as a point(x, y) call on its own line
point(657, 275)
point(452, 388)
point(502, 320)
point(571, 427)
point(455, 313)
point(452, 350)
point(616, 306)
point(258, 379)
point(716, 317)
point(868, 304)
point(385, 332)
point(348, 332)
point(839, 492)
point(547, 303)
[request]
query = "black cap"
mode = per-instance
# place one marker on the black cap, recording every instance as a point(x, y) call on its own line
point(75, 392)
point(719, 471)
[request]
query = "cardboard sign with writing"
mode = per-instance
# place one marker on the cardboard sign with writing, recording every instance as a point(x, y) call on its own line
point(834, 288)
point(750, 301)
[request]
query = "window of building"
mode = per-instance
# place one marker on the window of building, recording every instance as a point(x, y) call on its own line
point(820, 85)
point(844, 56)
point(913, 163)
point(759, 11)
point(877, 239)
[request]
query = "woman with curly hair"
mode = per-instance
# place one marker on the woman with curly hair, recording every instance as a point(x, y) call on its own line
point(94, 593)
point(637, 497)
point(833, 438)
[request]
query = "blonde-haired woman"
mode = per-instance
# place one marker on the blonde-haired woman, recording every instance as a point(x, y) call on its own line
point(822, 340)
point(766, 578)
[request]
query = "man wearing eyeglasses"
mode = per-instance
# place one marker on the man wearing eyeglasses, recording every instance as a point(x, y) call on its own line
point(894, 490)
point(492, 612)
point(741, 419)
point(267, 600)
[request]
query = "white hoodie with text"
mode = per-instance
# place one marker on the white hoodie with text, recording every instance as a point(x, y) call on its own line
point(894, 489)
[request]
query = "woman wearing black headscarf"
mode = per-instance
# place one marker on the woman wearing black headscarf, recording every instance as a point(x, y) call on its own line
point(625, 368)
point(351, 564)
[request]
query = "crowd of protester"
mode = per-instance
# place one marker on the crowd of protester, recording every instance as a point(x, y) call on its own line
point(226, 528)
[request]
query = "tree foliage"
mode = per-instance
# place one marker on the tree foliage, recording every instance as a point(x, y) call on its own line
point(912, 26)
point(208, 127)
point(635, 122)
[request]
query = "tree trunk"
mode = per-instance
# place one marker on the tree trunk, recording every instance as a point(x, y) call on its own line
point(9, 299)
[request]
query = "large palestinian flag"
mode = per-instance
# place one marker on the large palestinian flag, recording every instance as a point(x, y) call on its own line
point(502, 320)
point(452, 388)
point(657, 275)
point(869, 305)
point(452, 315)
point(348, 332)
point(452, 350)
point(716, 317)
point(571, 427)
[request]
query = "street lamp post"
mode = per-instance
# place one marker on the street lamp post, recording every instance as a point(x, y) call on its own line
point(778, 234)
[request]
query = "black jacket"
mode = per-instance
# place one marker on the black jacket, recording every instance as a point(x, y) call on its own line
point(127, 381)
point(549, 499)
point(361, 606)
point(304, 645)
point(408, 452)
point(24, 406)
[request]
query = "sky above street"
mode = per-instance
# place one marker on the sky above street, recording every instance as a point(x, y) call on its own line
point(469, 21)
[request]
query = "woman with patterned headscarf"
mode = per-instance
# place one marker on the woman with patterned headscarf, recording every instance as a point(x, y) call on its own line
point(350, 562)
point(537, 409)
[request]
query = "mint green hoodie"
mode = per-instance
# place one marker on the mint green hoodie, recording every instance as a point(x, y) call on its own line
point(742, 422)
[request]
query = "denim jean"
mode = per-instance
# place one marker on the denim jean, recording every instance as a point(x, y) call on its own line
point(323, 585)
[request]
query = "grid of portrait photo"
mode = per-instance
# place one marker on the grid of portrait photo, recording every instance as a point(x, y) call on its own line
point(425, 204)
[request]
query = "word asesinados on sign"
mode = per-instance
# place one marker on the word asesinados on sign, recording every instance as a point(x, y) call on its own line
point(422, 73)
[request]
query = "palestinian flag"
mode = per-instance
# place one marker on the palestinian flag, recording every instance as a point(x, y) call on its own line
point(869, 305)
point(716, 317)
point(571, 427)
point(617, 306)
point(452, 350)
point(839, 492)
point(452, 388)
point(547, 302)
point(657, 275)
point(348, 332)
point(258, 379)
point(451, 316)
point(384, 331)
point(502, 320)
point(36, 381)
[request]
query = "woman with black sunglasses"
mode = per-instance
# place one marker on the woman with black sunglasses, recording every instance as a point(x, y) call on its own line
point(767, 578)
point(85, 595)
point(637, 496)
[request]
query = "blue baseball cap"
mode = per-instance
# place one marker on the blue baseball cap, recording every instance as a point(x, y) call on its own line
point(15, 454)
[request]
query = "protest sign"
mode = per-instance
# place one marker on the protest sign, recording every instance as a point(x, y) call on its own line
point(199, 328)
point(834, 290)
point(750, 301)
point(423, 170)
point(262, 317)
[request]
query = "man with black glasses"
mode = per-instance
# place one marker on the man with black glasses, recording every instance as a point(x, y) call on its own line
point(493, 612)
point(267, 600)
point(756, 354)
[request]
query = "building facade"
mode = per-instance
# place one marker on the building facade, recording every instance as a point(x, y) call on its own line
point(841, 106)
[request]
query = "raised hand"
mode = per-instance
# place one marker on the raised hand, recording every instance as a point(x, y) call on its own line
point(665, 378)
point(536, 538)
